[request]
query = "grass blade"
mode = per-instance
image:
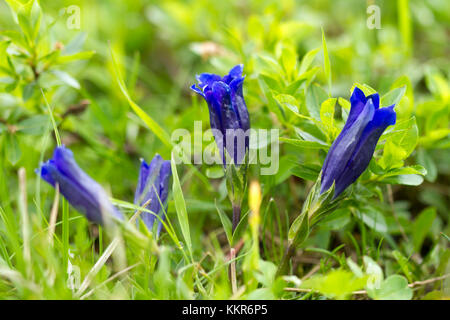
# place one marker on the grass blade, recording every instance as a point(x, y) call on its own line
point(180, 206)
point(149, 121)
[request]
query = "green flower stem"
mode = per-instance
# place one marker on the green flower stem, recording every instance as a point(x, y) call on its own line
point(236, 216)
point(288, 254)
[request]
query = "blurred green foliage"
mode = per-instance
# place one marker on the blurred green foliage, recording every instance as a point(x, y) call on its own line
point(301, 60)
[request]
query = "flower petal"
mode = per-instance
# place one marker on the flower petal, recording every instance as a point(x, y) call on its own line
point(358, 101)
point(45, 172)
point(227, 109)
point(235, 72)
point(363, 153)
point(148, 189)
point(222, 97)
point(82, 192)
point(238, 103)
point(375, 99)
point(207, 80)
point(229, 117)
point(166, 173)
point(147, 174)
point(215, 112)
point(342, 148)
point(197, 90)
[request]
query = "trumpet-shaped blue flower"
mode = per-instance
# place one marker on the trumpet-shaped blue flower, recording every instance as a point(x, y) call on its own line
point(82, 192)
point(353, 149)
point(228, 114)
point(152, 189)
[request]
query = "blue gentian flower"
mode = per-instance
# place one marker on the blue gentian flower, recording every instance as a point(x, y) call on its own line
point(153, 189)
point(353, 149)
point(227, 110)
point(82, 192)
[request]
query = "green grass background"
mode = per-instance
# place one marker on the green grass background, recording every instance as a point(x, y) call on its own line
point(159, 46)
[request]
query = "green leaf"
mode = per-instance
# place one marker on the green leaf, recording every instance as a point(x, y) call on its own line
point(394, 287)
point(287, 162)
point(357, 271)
point(180, 206)
point(309, 75)
point(336, 220)
point(393, 97)
point(308, 136)
point(404, 175)
point(261, 294)
point(34, 125)
point(267, 271)
point(327, 115)
point(405, 179)
point(13, 152)
point(66, 78)
point(417, 169)
point(28, 90)
point(405, 106)
point(374, 272)
point(368, 90)
point(237, 234)
point(421, 226)
point(287, 101)
point(400, 143)
point(307, 171)
point(15, 37)
point(293, 87)
point(236, 184)
point(404, 264)
point(315, 96)
point(15, 6)
point(84, 55)
point(28, 16)
point(303, 144)
point(299, 229)
point(226, 223)
point(338, 284)
point(269, 64)
point(288, 59)
point(271, 82)
point(76, 44)
point(271, 102)
point(162, 277)
point(307, 60)
point(438, 85)
point(345, 108)
point(424, 158)
point(372, 218)
point(215, 172)
point(345, 104)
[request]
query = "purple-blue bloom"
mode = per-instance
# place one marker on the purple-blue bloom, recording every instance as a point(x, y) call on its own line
point(353, 149)
point(227, 110)
point(82, 192)
point(152, 189)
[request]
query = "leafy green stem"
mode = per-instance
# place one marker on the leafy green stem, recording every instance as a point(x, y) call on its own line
point(236, 216)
